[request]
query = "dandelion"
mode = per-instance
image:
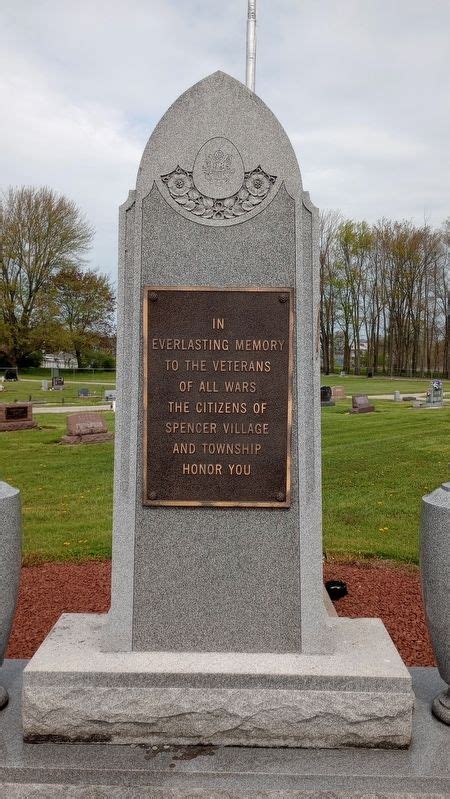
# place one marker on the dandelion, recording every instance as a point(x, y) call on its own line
point(66, 543)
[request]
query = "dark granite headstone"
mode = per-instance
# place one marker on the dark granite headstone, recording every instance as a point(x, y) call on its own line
point(326, 397)
point(57, 383)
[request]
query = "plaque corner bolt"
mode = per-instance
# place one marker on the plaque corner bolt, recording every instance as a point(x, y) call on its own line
point(281, 496)
point(283, 298)
point(153, 296)
point(153, 495)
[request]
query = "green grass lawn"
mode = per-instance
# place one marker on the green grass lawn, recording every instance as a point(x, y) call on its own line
point(23, 389)
point(66, 491)
point(77, 375)
point(376, 467)
point(379, 385)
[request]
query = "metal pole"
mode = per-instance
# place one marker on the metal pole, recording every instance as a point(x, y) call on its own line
point(251, 45)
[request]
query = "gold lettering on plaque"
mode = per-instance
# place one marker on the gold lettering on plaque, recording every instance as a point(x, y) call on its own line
point(226, 396)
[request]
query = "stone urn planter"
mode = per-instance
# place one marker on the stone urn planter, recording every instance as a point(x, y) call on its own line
point(435, 575)
point(10, 560)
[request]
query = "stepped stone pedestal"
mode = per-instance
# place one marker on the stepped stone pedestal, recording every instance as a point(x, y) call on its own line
point(360, 695)
point(151, 771)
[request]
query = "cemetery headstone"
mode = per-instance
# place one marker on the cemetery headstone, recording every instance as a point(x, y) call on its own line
point(338, 392)
point(11, 375)
point(44, 385)
point(326, 395)
point(110, 395)
point(397, 396)
point(86, 428)
point(435, 395)
point(57, 383)
point(217, 631)
point(83, 392)
point(361, 404)
point(16, 416)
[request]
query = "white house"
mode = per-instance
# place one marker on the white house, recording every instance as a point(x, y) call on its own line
point(59, 360)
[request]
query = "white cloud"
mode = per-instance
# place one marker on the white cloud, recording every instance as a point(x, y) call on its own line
point(360, 142)
point(362, 89)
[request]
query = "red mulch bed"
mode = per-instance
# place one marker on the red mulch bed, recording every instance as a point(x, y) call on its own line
point(393, 594)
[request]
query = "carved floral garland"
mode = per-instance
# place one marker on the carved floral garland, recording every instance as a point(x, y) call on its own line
point(255, 188)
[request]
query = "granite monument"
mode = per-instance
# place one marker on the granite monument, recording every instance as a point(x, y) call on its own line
point(217, 632)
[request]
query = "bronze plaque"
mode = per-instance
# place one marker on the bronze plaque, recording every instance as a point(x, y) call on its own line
point(217, 396)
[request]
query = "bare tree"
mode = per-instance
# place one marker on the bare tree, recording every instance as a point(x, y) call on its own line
point(329, 225)
point(389, 281)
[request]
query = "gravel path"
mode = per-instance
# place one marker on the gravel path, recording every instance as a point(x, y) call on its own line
point(393, 594)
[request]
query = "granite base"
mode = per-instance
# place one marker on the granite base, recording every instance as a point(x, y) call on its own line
point(10, 427)
point(89, 438)
point(98, 771)
point(359, 696)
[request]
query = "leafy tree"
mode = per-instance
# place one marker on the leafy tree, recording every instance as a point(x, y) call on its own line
point(41, 233)
point(99, 359)
point(84, 306)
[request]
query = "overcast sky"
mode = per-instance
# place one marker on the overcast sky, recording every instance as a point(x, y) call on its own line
point(361, 86)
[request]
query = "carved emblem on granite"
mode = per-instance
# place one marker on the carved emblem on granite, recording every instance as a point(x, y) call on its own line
point(255, 188)
point(218, 167)
point(218, 188)
point(218, 170)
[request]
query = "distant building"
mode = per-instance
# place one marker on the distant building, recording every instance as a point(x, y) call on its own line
point(59, 360)
point(339, 351)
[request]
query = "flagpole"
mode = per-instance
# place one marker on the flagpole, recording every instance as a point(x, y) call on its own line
point(251, 45)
